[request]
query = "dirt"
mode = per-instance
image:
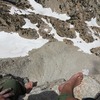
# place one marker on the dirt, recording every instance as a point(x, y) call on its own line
point(79, 11)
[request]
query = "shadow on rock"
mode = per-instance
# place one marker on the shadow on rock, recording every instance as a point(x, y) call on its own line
point(47, 95)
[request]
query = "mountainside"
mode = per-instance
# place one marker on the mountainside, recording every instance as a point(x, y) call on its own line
point(50, 40)
point(80, 12)
point(51, 67)
point(77, 22)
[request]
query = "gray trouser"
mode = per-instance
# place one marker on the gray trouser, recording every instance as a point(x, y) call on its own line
point(15, 85)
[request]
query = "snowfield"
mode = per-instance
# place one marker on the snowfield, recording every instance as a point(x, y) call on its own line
point(12, 45)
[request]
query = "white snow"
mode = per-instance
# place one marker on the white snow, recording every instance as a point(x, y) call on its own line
point(71, 26)
point(85, 47)
point(46, 30)
point(29, 24)
point(92, 22)
point(53, 31)
point(38, 9)
point(12, 45)
point(15, 10)
point(85, 71)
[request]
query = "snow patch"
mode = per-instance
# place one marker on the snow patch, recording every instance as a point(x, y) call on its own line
point(38, 9)
point(92, 22)
point(12, 45)
point(85, 47)
point(53, 31)
point(29, 24)
point(71, 26)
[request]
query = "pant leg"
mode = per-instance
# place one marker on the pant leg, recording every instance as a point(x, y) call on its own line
point(64, 96)
point(12, 83)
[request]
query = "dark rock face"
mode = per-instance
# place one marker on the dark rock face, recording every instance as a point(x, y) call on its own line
point(14, 23)
point(68, 41)
point(96, 31)
point(79, 11)
point(54, 61)
point(10, 22)
point(62, 28)
point(87, 37)
point(96, 51)
point(29, 33)
point(16, 65)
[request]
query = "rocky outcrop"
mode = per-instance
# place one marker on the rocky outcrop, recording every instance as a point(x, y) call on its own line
point(96, 51)
point(28, 33)
point(87, 37)
point(96, 31)
point(54, 54)
point(68, 41)
point(79, 11)
point(53, 63)
point(23, 4)
point(73, 8)
point(10, 23)
point(63, 28)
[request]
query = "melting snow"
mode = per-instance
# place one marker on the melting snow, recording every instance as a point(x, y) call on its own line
point(85, 47)
point(53, 31)
point(15, 10)
point(29, 24)
point(12, 45)
point(92, 22)
point(38, 9)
